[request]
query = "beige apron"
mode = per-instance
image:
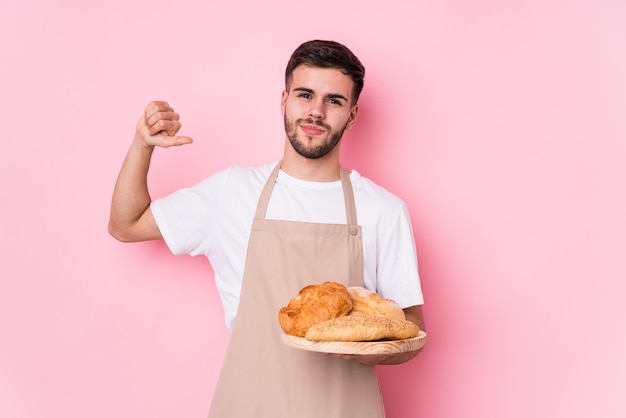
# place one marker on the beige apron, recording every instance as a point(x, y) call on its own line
point(263, 378)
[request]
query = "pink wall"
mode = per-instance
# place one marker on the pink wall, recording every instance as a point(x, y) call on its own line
point(502, 124)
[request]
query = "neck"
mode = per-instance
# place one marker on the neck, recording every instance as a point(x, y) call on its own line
point(321, 169)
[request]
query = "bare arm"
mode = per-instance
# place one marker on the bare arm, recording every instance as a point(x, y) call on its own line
point(131, 218)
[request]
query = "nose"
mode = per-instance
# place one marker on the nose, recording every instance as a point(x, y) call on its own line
point(317, 109)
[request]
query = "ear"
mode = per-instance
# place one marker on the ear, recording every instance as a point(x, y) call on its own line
point(353, 114)
point(283, 100)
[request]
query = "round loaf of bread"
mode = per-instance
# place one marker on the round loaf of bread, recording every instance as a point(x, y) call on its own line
point(313, 304)
point(366, 302)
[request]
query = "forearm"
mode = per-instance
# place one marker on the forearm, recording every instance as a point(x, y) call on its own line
point(415, 315)
point(130, 195)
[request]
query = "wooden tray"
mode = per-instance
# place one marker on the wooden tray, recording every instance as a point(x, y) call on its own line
point(365, 347)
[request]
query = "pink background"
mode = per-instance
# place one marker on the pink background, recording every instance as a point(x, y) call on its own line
point(501, 124)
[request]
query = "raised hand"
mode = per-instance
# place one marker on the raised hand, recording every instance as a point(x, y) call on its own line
point(159, 125)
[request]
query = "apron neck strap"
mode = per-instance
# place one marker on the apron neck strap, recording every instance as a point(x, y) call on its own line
point(346, 183)
point(348, 196)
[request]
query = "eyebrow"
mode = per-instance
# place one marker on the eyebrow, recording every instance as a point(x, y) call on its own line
point(328, 96)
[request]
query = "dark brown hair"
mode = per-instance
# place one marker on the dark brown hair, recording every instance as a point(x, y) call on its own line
point(328, 54)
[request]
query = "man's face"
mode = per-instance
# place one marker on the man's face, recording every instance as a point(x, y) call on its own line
point(317, 109)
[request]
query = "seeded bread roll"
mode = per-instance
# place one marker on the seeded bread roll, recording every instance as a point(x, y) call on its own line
point(362, 328)
point(366, 302)
point(314, 304)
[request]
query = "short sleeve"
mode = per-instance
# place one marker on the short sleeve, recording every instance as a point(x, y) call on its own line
point(186, 217)
point(398, 276)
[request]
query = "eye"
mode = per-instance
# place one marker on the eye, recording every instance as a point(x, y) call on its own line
point(334, 102)
point(304, 95)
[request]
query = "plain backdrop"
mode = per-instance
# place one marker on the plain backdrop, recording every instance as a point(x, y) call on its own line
point(502, 124)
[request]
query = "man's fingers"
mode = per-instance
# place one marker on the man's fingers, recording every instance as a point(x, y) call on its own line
point(154, 117)
point(170, 127)
point(183, 140)
point(160, 125)
point(173, 141)
point(159, 117)
point(157, 106)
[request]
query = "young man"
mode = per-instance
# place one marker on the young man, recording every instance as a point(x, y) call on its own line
point(269, 231)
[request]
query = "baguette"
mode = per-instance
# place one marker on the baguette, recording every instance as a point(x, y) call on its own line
point(362, 328)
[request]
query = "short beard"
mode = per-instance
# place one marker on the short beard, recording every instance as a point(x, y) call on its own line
point(318, 151)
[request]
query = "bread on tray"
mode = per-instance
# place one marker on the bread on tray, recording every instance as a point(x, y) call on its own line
point(331, 311)
point(314, 304)
point(362, 328)
point(366, 302)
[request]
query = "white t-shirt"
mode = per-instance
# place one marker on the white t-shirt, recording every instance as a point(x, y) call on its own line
point(214, 219)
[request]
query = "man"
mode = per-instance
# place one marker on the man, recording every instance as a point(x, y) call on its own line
point(271, 230)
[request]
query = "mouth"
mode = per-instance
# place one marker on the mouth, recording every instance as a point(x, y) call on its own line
point(312, 129)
